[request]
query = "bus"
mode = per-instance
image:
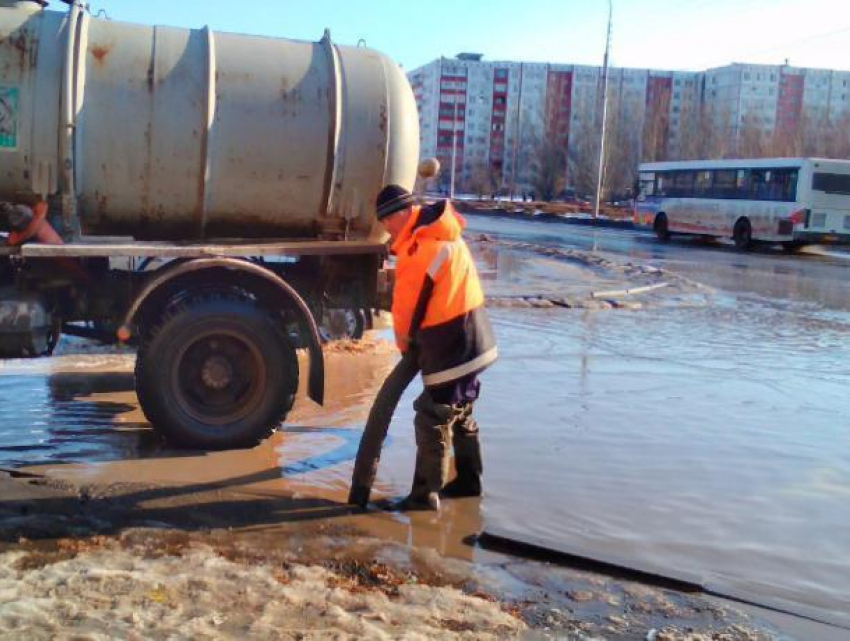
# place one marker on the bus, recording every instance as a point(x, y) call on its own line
point(790, 201)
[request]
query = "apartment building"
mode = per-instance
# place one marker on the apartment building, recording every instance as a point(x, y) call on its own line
point(497, 116)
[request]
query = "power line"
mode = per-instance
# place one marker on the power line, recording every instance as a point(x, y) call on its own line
point(785, 45)
point(827, 34)
point(729, 12)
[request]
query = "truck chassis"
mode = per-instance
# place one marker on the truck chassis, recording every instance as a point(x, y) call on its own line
point(216, 325)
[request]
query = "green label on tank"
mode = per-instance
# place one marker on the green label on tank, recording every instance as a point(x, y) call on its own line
point(8, 117)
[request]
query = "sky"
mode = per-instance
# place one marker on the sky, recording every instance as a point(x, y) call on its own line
point(661, 34)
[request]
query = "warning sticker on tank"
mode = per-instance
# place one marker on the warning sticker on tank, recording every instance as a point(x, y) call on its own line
point(8, 117)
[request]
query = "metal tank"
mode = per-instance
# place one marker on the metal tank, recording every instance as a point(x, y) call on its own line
point(167, 133)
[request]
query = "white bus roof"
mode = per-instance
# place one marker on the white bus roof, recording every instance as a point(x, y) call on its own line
point(744, 163)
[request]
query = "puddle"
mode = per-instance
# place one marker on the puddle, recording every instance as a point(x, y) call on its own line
point(710, 439)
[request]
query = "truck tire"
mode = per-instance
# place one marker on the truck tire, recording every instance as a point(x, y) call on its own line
point(216, 373)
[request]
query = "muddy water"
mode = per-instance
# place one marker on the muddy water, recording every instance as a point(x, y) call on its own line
point(709, 441)
point(88, 429)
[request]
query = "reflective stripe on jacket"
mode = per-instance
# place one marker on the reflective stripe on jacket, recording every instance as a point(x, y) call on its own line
point(438, 302)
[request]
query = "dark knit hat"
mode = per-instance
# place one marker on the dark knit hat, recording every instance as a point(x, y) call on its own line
point(392, 199)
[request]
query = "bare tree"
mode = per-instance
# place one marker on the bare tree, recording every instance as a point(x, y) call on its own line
point(583, 156)
point(752, 141)
point(549, 169)
point(484, 179)
point(656, 128)
point(813, 134)
point(622, 156)
point(788, 141)
point(704, 134)
point(835, 142)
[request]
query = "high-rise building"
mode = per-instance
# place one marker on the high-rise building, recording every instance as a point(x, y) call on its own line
point(506, 123)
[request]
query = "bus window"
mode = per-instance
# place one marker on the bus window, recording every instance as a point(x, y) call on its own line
point(741, 184)
point(702, 186)
point(783, 185)
point(838, 184)
point(662, 185)
point(683, 184)
point(725, 184)
point(758, 184)
point(647, 186)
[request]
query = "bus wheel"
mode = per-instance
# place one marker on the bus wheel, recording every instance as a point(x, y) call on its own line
point(743, 234)
point(662, 229)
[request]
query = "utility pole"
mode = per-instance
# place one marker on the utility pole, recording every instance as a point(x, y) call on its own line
point(604, 109)
point(517, 130)
point(454, 150)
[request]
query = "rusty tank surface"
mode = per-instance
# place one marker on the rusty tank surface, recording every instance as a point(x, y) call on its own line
point(164, 133)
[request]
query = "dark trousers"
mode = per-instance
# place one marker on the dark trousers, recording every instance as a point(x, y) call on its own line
point(436, 424)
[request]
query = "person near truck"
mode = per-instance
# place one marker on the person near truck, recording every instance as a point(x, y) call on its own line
point(443, 331)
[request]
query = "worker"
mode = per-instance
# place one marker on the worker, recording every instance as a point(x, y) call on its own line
point(443, 331)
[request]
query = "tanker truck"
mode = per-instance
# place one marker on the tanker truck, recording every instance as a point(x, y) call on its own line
point(201, 196)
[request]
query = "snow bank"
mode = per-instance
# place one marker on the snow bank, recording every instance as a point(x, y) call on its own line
point(120, 593)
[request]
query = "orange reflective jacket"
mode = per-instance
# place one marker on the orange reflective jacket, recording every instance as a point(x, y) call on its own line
point(438, 303)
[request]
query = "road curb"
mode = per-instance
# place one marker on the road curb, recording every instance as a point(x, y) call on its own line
point(607, 223)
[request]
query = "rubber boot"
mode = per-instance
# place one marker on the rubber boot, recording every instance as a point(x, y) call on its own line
point(433, 429)
point(430, 502)
point(468, 459)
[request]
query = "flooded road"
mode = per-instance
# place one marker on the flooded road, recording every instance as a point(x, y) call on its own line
point(706, 441)
point(701, 438)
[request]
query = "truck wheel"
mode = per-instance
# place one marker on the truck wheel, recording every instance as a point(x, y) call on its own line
point(216, 373)
point(661, 228)
point(743, 234)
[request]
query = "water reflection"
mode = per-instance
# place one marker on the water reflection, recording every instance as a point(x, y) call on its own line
point(711, 441)
point(53, 418)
